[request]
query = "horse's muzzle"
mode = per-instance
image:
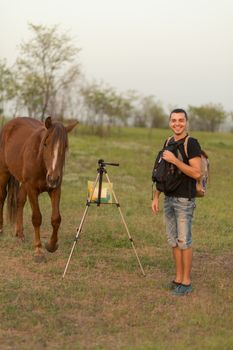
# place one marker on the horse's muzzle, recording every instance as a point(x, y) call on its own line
point(53, 182)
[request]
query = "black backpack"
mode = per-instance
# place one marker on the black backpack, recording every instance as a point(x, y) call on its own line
point(167, 176)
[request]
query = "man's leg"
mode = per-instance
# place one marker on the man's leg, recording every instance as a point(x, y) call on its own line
point(177, 255)
point(187, 255)
point(183, 264)
point(185, 287)
point(171, 231)
point(184, 213)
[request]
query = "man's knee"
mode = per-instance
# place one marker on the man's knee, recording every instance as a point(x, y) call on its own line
point(172, 242)
point(183, 244)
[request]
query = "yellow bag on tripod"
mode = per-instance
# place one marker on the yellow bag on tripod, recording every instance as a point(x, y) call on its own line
point(106, 192)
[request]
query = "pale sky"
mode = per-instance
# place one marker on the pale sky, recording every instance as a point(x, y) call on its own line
point(181, 51)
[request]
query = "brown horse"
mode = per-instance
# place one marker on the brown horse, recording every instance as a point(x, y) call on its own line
point(32, 156)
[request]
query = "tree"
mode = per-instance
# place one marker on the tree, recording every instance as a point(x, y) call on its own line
point(47, 63)
point(148, 112)
point(207, 117)
point(7, 85)
point(105, 105)
point(153, 112)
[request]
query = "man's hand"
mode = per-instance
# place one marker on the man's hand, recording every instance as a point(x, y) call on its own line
point(169, 157)
point(193, 169)
point(155, 204)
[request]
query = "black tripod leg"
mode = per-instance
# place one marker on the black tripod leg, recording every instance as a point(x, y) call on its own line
point(100, 187)
point(126, 227)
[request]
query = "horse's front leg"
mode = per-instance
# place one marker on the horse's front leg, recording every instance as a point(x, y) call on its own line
point(22, 197)
point(55, 195)
point(36, 221)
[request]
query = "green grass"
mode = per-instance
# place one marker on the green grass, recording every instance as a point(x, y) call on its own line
point(104, 302)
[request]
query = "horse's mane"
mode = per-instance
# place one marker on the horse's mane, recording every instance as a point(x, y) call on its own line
point(59, 134)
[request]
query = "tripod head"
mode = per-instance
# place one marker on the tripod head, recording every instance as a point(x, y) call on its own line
point(102, 163)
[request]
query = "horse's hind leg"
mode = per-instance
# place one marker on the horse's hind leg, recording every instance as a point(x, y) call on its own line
point(3, 192)
point(22, 197)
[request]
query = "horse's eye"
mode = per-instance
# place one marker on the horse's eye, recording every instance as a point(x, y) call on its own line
point(45, 144)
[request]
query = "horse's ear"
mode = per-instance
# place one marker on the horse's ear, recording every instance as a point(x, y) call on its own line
point(71, 126)
point(48, 122)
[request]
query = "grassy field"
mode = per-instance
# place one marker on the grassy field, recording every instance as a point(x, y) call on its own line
point(104, 302)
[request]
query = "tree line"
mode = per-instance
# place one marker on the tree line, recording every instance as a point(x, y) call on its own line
point(46, 79)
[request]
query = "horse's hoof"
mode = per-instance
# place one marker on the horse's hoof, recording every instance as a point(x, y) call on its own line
point(51, 249)
point(39, 258)
point(20, 237)
point(20, 241)
point(1, 231)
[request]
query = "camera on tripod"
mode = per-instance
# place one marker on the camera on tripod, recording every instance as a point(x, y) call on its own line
point(102, 163)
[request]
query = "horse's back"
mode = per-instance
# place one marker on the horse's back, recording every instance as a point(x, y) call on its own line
point(14, 136)
point(19, 128)
point(16, 132)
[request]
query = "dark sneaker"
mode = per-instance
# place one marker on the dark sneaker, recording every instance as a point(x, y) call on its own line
point(172, 285)
point(182, 289)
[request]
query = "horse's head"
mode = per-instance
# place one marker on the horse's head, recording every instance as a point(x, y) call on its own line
point(55, 144)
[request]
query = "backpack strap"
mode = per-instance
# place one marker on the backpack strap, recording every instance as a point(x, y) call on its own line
point(186, 153)
point(203, 153)
point(186, 145)
point(167, 141)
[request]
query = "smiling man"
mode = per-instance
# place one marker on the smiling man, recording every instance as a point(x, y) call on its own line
point(180, 203)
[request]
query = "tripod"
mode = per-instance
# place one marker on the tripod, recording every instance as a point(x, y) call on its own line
point(99, 179)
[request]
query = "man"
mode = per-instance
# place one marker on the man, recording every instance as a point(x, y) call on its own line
point(179, 204)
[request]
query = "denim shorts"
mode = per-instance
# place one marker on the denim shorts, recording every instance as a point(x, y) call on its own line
point(178, 214)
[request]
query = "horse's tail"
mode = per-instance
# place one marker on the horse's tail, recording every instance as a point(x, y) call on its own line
point(12, 192)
